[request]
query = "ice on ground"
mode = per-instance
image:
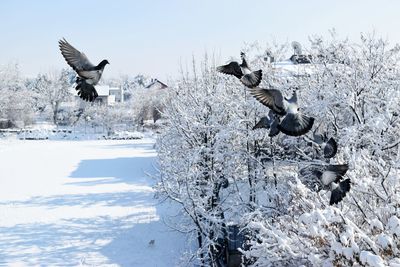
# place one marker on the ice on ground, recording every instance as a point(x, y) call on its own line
point(82, 203)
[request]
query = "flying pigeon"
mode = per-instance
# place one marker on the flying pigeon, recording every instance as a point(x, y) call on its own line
point(269, 122)
point(88, 74)
point(329, 177)
point(330, 147)
point(293, 122)
point(242, 72)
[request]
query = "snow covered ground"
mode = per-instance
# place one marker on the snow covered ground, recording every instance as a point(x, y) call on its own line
point(71, 203)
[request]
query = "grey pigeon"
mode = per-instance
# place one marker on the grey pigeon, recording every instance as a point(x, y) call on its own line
point(293, 122)
point(242, 72)
point(328, 177)
point(88, 74)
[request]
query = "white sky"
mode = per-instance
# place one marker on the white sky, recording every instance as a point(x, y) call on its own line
point(154, 37)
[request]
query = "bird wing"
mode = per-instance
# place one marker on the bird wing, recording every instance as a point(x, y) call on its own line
point(273, 131)
point(77, 60)
point(263, 123)
point(271, 98)
point(330, 148)
point(296, 124)
point(232, 68)
point(334, 173)
point(340, 192)
point(252, 79)
point(340, 169)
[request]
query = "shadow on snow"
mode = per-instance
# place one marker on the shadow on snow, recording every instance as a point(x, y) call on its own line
point(117, 170)
point(97, 240)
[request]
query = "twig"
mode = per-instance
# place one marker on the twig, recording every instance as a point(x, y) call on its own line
point(391, 146)
point(384, 179)
point(359, 207)
point(354, 110)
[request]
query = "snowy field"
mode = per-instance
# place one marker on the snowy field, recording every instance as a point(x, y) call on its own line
point(87, 203)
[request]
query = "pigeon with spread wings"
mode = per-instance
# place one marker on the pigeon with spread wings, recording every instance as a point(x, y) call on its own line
point(293, 122)
point(242, 72)
point(88, 74)
point(328, 177)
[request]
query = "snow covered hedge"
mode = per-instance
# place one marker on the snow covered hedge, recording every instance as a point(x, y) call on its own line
point(223, 173)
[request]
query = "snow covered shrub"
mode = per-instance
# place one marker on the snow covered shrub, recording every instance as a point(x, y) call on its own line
point(222, 172)
point(108, 118)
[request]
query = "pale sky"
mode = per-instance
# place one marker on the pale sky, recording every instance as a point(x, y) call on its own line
point(154, 36)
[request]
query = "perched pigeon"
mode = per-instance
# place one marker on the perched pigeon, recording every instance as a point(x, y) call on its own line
point(329, 177)
point(269, 122)
point(88, 74)
point(293, 123)
point(242, 72)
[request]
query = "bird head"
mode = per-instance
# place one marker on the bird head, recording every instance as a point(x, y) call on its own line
point(103, 63)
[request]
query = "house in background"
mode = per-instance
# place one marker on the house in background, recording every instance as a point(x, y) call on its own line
point(104, 95)
point(156, 84)
point(156, 108)
point(117, 93)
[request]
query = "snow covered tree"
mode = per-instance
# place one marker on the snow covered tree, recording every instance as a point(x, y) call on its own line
point(223, 173)
point(51, 90)
point(207, 156)
point(352, 90)
point(15, 99)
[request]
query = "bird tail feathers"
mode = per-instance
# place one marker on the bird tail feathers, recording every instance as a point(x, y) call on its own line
point(85, 90)
point(296, 124)
point(253, 79)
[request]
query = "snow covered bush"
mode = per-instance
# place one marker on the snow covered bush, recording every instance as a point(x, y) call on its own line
point(223, 173)
point(108, 118)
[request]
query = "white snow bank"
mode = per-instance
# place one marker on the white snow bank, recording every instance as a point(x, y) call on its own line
point(372, 260)
point(68, 134)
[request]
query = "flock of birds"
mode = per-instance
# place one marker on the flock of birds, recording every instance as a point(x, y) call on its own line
point(284, 115)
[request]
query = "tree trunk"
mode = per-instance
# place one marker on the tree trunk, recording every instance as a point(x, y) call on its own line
point(55, 112)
